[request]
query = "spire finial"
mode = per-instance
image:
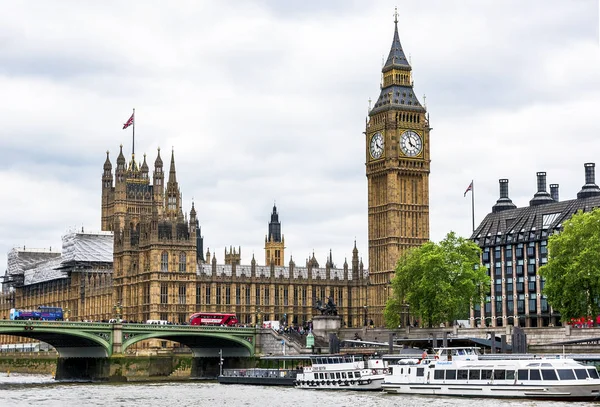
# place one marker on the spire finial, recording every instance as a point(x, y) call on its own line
point(396, 15)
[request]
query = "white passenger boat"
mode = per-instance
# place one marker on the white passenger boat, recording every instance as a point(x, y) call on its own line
point(342, 372)
point(461, 372)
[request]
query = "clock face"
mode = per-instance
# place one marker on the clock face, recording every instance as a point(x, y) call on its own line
point(376, 146)
point(411, 143)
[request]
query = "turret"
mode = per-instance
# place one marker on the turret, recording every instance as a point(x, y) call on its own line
point(144, 170)
point(107, 195)
point(355, 268)
point(121, 167)
point(158, 183)
point(172, 192)
point(274, 241)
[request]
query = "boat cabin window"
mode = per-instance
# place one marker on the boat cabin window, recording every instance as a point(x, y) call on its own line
point(534, 374)
point(337, 375)
point(566, 374)
point(510, 375)
point(581, 373)
point(450, 374)
point(357, 374)
point(523, 374)
point(549, 374)
point(486, 374)
point(420, 371)
point(438, 374)
point(593, 373)
point(474, 374)
point(343, 375)
point(499, 374)
point(463, 374)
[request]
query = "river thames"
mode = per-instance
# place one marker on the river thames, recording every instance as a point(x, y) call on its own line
point(19, 390)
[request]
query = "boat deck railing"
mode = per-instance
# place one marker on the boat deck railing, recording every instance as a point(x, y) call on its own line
point(258, 372)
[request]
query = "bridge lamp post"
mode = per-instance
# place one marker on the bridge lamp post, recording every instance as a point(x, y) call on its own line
point(118, 309)
point(405, 314)
point(66, 313)
point(258, 313)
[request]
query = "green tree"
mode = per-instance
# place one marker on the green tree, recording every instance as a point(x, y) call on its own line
point(572, 275)
point(437, 281)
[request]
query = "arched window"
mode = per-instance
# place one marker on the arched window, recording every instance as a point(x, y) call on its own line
point(182, 261)
point(164, 261)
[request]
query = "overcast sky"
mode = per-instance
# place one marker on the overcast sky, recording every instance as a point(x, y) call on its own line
point(265, 101)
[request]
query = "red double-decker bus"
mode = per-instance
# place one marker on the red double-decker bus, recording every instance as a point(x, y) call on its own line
point(213, 318)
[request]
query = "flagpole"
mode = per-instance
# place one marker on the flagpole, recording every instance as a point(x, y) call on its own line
point(472, 202)
point(133, 146)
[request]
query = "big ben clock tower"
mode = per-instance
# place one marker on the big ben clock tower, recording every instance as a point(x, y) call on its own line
point(397, 166)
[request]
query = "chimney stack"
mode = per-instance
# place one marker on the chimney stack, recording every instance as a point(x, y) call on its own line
point(504, 202)
point(541, 196)
point(590, 188)
point(554, 191)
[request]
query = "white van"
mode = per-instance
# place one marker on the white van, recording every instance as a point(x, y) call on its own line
point(156, 322)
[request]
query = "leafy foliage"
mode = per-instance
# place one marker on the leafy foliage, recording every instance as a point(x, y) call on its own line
point(572, 275)
point(438, 281)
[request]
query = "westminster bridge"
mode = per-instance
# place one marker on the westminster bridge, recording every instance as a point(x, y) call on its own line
point(85, 349)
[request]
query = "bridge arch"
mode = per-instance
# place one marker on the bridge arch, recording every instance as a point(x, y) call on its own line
point(202, 344)
point(68, 342)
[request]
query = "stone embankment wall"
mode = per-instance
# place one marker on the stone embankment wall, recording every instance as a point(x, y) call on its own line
point(125, 368)
point(29, 362)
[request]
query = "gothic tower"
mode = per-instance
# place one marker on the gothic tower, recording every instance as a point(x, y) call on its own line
point(155, 246)
point(274, 241)
point(397, 169)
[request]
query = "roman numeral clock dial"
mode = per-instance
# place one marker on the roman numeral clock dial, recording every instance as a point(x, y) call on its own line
point(376, 146)
point(411, 143)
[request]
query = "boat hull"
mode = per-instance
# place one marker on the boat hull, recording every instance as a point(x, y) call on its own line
point(581, 392)
point(258, 381)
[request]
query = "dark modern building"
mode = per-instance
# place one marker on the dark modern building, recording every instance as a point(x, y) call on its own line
point(514, 244)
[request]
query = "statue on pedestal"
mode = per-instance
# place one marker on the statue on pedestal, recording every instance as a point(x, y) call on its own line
point(327, 309)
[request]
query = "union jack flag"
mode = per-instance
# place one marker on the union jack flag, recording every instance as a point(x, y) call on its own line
point(129, 122)
point(469, 188)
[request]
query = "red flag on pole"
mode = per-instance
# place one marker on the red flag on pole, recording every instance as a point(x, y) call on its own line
point(129, 122)
point(469, 188)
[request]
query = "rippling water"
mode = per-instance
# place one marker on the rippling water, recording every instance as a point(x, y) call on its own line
point(18, 390)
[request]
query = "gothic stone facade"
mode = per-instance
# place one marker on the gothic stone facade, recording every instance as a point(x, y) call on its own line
point(147, 263)
point(397, 167)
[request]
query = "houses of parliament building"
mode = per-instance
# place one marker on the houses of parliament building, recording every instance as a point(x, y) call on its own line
point(148, 262)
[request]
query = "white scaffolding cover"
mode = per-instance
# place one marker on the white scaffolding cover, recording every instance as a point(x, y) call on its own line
point(38, 265)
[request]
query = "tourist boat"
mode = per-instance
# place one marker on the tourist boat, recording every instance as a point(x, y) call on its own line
point(258, 376)
point(342, 372)
point(462, 372)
